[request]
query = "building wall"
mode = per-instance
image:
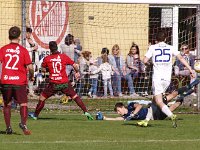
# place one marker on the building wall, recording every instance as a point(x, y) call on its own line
point(111, 24)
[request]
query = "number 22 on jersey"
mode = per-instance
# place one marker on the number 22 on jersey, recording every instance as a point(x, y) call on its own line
point(12, 58)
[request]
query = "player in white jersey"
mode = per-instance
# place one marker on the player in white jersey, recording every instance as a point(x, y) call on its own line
point(161, 55)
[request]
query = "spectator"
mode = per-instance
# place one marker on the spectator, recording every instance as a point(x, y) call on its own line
point(78, 49)
point(106, 70)
point(104, 51)
point(34, 55)
point(83, 62)
point(119, 68)
point(179, 68)
point(68, 48)
point(93, 79)
point(134, 66)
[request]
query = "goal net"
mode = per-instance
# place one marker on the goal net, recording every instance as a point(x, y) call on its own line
point(95, 28)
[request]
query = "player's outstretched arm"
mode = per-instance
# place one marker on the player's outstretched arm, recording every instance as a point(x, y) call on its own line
point(113, 119)
point(100, 116)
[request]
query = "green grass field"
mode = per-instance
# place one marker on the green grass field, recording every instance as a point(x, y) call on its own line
point(72, 131)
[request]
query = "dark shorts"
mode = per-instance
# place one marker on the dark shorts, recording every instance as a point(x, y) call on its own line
point(18, 92)
point(53, 88)
point(157, 112)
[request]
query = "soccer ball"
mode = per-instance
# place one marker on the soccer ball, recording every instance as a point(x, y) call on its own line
point(197, 66)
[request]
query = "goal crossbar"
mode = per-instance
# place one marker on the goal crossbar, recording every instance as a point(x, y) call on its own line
point(175, 2)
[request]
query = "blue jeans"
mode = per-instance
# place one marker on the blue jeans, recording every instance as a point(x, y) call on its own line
point(116, 82)
point(93, 88)
point(129, 79)
point(106, 85)
point(117, 79)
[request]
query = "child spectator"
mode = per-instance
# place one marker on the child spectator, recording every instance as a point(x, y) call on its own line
point(106, 70)
point(93, 79)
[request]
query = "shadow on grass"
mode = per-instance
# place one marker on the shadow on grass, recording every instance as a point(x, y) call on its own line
point(4, 132)
point(56, 119)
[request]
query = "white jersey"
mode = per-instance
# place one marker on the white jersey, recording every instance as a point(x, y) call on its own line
point(162, 55)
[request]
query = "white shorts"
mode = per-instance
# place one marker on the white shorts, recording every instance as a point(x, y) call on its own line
point(160, 86)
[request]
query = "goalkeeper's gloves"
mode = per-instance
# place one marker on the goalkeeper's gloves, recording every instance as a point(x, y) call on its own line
point(132, 116)
point(89, 116)
point(99, 116)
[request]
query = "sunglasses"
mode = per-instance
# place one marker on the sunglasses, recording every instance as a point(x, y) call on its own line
point(184, 48)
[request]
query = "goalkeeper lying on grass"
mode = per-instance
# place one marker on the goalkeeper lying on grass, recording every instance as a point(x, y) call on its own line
point(135, 111)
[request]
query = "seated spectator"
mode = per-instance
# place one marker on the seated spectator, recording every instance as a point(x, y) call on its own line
point(179, 68)
point(106, 70)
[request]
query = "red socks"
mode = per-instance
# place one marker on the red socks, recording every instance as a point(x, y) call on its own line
point(7, 114)
point(80, 103)
point(24, 114)
point(39, 107)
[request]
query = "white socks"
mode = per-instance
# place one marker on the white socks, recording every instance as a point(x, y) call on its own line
point(149, 114)
point(167, 111)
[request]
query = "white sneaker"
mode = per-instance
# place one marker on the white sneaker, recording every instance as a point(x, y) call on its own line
point(90, 94)
point(120, 95)
point(94, 96)
point(134, 95)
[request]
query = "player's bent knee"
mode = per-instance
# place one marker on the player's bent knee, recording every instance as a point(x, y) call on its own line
point(42, 98)
point(23, 104)
point(75, 96)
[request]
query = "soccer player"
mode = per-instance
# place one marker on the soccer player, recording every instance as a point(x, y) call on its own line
point(136, 111)
point(56, 63)
point(161, 55)
point(15, 61)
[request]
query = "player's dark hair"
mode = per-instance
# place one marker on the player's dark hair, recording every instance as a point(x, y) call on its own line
point(29, 30)
point(161, 36)
point(105, 50)
point(53, 46)
point(118, 105)
point(14, 32)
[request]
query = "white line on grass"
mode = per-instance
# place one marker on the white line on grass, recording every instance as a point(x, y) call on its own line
point(99, 141)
